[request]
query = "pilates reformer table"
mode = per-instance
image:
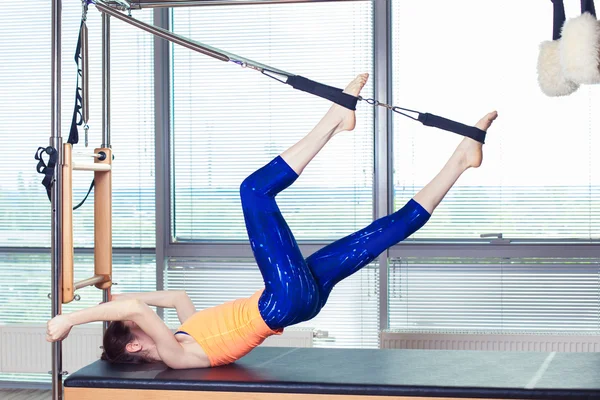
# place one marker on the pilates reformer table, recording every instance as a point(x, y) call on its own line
point(331, 374)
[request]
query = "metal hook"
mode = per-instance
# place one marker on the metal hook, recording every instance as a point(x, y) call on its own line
point(86, 128)
point(84, 10)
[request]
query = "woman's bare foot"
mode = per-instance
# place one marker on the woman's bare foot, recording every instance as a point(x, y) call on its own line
point(344, 118)
point(469, 151)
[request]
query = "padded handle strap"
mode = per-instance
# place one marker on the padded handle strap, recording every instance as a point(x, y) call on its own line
point(77, 118)
point(452, 126)
point(559, 18)
point(47, 169)
point(327, 92)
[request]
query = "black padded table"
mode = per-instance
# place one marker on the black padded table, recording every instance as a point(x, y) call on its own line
point(308, 373)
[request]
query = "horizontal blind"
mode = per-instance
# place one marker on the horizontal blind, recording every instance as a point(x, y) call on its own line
point(540, 177)
point(228, 121)
point(351, 315)
point(25, 114)
point(495, 295)
point(25, 283)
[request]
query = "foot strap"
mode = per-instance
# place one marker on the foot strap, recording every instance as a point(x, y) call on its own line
point(327, 92)
point(452, 126)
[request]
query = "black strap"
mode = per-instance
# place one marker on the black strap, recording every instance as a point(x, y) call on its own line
point(86, 196)
point(452, 126)
point(77, 119)
point(47, 169)
point(327, 92)
point(559, 18)
point(588, 6)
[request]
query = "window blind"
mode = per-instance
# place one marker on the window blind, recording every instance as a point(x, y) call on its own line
point(25, 114)
point(540, 177)
point(351, 315)
point(227, 121)
point(499, 295)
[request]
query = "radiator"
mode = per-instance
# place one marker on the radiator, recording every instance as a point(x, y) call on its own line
point(396, 339)
point(23, 348)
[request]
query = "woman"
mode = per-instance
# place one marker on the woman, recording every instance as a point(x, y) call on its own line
point(295, 288)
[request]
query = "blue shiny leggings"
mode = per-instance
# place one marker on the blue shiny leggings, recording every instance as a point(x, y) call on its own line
point(296, 288)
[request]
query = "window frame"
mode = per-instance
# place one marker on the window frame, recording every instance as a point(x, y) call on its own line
point(383, 190)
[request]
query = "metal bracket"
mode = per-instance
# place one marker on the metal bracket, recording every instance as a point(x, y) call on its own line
point(498, 238)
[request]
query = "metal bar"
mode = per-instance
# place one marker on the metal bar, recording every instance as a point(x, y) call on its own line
point(224, 250)
point(383, 198)
point(80, 250)
point(105, 81)
point(162, 155)
point(408, 249)
point(90, 281)
point(163, 33)
point(105, 299)
point(56, 193)
point(91, 167)
point(140, 4)
point(92, 155)
point(106, 138)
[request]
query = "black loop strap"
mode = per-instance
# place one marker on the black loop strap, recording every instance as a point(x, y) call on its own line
point(453, 126)
point(77, 119)
point(327, 92)
point(588, 6)
point(559, 18)
point(47, 169)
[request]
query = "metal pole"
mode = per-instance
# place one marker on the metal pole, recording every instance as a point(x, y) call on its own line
point(163, 33)
point(105, 81)
point(162, 128)
point(383, 140)
point(56, 195)
point(139, 4)
point(106, 140)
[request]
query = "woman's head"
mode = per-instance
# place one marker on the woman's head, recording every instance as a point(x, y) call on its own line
point(125, 343)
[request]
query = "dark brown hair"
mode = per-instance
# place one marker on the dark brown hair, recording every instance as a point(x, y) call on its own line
point(116, 338)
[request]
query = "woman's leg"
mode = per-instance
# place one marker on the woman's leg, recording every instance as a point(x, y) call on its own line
point(291, 294)
point(344, 257)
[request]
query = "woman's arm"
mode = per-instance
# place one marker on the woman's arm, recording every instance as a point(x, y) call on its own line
point(169, 350)
point(167, 299)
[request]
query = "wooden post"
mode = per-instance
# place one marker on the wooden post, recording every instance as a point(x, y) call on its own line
point(67, 225)
point(103, 221)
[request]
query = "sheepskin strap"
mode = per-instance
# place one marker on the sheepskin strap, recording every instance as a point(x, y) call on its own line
point(452, 126)
point(327, 92)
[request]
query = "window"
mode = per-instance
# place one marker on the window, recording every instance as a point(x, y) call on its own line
point(540, 177)
point(25, 114)
point(227, 121)
point(495, 295)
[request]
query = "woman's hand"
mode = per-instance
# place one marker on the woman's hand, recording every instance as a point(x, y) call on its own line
point(58, 328)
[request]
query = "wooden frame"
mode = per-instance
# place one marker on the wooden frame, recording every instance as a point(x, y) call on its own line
point(102, 168)
point(103, 220)
point(141, 394)
point(68, 290)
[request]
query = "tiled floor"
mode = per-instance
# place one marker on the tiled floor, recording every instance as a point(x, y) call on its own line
point(25, 394)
